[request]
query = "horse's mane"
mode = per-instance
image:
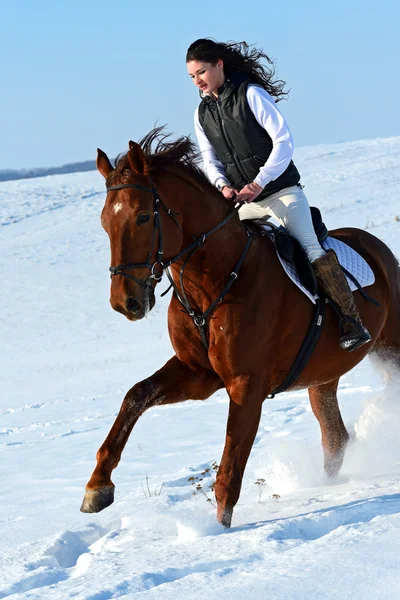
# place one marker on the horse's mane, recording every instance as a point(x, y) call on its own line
point(180, 154)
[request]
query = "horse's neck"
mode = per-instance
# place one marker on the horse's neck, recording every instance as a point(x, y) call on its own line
point(201, 210)
point(201, 207)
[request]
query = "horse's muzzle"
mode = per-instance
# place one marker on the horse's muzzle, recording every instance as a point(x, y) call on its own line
point(136, 309)
point(133, 306)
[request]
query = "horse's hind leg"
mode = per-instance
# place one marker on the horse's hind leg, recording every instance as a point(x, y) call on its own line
point(175, 382)
point(387, 347)
point(386, 357)
point(334, 434)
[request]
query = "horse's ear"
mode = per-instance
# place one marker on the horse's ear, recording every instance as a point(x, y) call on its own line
point(137, 159)
point(103, 164)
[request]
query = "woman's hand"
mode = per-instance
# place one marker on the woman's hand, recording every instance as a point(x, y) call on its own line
point(249, 192)
point(228, 192)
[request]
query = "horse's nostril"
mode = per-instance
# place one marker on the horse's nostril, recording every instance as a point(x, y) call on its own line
point(133, 305)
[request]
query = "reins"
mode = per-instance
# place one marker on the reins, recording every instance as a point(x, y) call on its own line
point(199, 319)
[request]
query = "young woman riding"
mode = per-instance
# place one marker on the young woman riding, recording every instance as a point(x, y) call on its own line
point(247, 150)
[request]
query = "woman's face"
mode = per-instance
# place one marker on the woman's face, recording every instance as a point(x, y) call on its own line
point(206, 76)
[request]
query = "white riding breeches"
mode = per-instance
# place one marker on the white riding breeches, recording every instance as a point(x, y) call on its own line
point(290, 207)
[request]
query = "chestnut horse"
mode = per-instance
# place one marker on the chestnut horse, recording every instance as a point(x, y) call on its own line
point(158, 207)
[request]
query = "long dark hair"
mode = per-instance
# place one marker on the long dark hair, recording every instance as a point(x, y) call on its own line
point(239, 56)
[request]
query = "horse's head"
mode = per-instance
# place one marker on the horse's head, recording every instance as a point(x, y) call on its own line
point(141, 231)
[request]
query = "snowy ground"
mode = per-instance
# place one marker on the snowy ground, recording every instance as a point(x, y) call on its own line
point(67, 361)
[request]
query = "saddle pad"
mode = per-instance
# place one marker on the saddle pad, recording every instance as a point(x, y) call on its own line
point(348, 258)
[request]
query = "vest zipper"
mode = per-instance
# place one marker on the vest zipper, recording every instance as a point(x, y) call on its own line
point(229, 144)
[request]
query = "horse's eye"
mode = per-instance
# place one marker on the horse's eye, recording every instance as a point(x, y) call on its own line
point(143, 218)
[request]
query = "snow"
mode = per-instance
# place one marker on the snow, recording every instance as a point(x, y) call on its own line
point(67, 361)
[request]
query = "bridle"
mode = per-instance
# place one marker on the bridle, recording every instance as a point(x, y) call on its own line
point(199, 320)
point(120, 269)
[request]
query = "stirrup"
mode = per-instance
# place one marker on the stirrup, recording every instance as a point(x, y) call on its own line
point(351, 342)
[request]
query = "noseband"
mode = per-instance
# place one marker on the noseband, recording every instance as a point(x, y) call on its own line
point(200, 320)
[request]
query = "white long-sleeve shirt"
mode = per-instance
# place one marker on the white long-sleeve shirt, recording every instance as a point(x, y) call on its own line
point(269, 117)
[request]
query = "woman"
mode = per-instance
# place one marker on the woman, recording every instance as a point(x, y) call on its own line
point(247, 150)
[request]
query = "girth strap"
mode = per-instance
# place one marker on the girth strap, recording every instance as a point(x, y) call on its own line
point(306, 350)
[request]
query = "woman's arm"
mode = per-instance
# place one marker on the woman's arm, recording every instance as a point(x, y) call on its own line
point(269, 117)
point(212, 165)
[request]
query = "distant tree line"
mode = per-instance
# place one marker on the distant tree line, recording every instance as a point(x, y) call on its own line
point(11, 174)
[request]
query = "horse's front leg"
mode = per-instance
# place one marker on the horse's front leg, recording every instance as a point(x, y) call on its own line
point(173, 383)
point(243, 420)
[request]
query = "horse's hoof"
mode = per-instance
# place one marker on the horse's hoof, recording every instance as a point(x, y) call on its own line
point(332, 467)
point(224, 516)
point(96, 500)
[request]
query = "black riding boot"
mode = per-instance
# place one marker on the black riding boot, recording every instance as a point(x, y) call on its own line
point(334, 283)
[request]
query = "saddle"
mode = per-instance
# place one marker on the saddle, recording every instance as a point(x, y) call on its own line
point(291, 250)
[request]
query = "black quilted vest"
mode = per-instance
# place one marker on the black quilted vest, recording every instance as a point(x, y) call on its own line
point(240, 143)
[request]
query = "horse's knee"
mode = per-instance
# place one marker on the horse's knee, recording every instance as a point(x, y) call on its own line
point(140, 397)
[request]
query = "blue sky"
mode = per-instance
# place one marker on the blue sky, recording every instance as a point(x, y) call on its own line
point(80, 75)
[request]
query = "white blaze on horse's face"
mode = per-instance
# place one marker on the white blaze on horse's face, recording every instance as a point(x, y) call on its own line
point(117, 208)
